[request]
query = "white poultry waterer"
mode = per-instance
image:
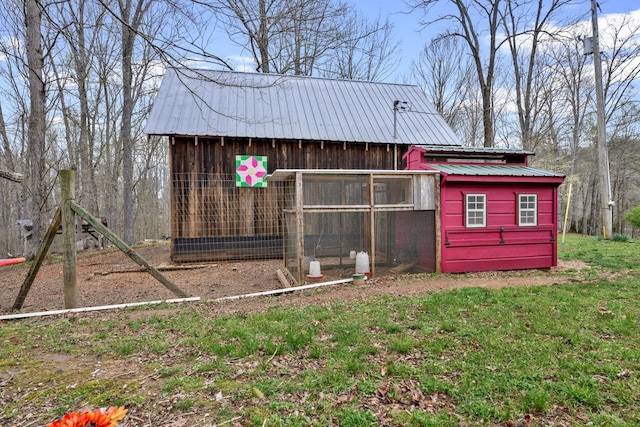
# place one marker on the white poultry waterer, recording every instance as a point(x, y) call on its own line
point(362, 263)
point(314, 270)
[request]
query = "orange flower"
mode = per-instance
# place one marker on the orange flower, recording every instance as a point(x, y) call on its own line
point(96, 418)
point(116, 413)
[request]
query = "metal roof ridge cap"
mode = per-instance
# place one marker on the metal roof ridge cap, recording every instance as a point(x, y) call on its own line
point(290, 76)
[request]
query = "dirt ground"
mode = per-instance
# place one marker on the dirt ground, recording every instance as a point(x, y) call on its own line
point(107, 277)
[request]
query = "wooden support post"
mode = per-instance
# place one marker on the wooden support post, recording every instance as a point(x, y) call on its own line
point(127, 250)
point(67, 183)
point(39, 259)
point(372, 226)
point(299, 197)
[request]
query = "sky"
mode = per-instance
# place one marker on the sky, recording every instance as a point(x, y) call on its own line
point(412, 36)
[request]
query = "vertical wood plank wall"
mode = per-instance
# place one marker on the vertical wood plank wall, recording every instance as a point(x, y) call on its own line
point(206, 203)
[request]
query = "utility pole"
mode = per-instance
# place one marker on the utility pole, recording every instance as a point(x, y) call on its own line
point(604, 184)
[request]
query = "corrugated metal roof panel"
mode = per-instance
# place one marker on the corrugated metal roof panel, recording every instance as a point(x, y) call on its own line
point(493, 170)
point(257, 105)
point(474, 150)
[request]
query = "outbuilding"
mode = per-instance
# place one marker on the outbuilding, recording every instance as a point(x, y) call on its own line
point(227, 131)
point(496, 212)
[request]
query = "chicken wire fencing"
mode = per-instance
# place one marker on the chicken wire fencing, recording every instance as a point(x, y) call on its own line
point(150, 210)
point(339, 223)
point(302, 218)
point(214, 219)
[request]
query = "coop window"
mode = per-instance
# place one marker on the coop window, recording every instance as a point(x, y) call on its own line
point(527, 210)
point(475, 210)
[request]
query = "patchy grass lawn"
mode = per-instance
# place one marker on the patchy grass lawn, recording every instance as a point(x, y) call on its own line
point(546, 355)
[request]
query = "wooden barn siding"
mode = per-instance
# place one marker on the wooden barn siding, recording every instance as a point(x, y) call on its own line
point(201, 207)
point(480, 249)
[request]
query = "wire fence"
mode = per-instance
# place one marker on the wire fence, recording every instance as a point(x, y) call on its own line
point(214, 219)
point(329, 220)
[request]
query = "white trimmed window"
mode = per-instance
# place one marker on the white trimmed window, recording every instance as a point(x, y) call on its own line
point(475, 210)
point(527, 210)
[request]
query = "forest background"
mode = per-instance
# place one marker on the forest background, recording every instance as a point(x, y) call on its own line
point(78, 77)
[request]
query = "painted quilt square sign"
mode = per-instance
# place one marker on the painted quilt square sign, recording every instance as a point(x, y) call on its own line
point(251, 171)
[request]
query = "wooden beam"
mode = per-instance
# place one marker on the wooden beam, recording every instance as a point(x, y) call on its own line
point(11, 176)
point(39, 259)
point(127, 250)
point(67, 188)
point(299, 198)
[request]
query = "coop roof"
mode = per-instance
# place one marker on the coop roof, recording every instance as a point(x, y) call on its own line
point(428, 148)
point(258, 105)
point(493, 170)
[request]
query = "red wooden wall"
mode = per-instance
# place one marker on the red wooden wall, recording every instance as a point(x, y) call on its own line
point(502, 244)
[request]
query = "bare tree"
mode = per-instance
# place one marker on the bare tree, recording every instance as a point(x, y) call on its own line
point(36, 178)
point(526, 25)
point(472, 20)
point(620, 49)
point(445, 82)
point(575, 84)
point(7, 156)
point(80, 22)
point(131, 15)
point(368, 51)
point(253, 24)
point(310, 37)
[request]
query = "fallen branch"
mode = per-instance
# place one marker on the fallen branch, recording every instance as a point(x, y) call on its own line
point(162, 267)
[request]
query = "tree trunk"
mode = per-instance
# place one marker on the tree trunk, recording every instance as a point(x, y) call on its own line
point(128, 38)
point(35, 184)
point(87, 180)
point(130, 25)
point(127, 143)
point(487, 115)
point(263, 38)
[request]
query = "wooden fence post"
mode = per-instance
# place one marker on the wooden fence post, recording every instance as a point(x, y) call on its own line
point(67, 183)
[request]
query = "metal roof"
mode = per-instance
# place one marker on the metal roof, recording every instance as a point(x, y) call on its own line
point(258, 105)
point(493, 170)
point(474, 150)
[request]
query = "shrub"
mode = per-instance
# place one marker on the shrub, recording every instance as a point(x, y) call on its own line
point(617, 237)
point(633, 216)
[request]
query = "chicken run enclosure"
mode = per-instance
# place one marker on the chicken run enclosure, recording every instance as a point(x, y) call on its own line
point(333, 219)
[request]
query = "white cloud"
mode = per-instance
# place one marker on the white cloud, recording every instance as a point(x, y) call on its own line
point(242, 63)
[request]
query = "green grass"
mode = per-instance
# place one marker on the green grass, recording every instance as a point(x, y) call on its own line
point(610, 254)
point(554, 355)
